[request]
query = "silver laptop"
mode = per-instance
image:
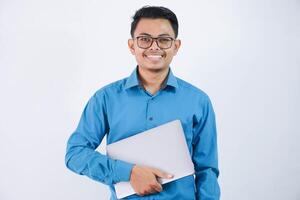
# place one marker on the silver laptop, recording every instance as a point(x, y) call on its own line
point(163, 147)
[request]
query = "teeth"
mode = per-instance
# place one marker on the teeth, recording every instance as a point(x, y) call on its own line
point(154, 56)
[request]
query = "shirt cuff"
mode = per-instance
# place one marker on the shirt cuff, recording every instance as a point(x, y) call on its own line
point(123, 171)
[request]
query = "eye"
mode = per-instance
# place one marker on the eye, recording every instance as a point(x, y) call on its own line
point(164, 40)
point(145, 39)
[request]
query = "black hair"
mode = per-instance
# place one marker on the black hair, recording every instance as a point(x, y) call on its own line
point(154, 12)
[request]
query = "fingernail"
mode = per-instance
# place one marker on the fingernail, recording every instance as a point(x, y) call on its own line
point(170, 176)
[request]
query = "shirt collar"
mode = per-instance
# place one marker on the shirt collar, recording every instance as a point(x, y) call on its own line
point(133, 80)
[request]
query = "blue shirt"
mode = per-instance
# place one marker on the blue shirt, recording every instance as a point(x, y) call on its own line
point(123, 109)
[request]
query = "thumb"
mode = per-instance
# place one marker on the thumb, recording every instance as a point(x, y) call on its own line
point(161, 174)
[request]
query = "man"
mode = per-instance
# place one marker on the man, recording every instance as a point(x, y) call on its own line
point(149, 97)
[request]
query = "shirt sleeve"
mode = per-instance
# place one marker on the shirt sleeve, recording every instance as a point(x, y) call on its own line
point(81, 156)
point(205, 154)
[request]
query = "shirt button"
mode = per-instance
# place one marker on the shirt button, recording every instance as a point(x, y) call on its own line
point(150, 118)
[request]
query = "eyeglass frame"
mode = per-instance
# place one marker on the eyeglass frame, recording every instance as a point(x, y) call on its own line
point(154, 38)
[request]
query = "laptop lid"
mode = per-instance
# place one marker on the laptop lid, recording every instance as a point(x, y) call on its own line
point(163, 147)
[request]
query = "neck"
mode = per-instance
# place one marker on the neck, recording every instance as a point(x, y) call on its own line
point(152, 80)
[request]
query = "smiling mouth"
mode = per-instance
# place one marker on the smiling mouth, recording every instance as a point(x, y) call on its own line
point(154, 57)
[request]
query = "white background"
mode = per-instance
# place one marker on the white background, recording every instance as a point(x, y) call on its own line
point(244, 54)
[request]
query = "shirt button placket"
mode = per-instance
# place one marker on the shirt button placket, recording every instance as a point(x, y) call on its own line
point(150, 117)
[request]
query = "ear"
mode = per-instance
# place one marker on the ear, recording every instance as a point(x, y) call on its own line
point(177, 45)
point(131, 46)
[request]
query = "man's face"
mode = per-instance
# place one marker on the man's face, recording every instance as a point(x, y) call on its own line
point(153, 58)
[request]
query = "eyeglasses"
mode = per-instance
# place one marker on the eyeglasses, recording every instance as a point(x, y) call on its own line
point(145, 42)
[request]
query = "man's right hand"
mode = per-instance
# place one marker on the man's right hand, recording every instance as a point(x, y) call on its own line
point(144, 180)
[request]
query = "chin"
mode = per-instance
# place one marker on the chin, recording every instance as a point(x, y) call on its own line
point(154, 67)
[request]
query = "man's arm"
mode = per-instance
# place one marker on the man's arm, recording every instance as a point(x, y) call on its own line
point(81, 156)
point(205, 154)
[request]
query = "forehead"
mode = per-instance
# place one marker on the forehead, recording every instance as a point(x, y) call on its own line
point(154, 27)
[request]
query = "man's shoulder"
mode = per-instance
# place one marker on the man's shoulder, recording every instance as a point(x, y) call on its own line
point(113, 87)
point(191, 89)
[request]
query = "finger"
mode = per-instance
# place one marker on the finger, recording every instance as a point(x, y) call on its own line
point(153, 190)
point(162, 174)
point(147, 191)
point(157, 187)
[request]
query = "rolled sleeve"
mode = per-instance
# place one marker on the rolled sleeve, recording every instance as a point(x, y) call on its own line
point(122, 171)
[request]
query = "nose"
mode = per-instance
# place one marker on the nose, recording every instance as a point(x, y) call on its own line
point(154, 45)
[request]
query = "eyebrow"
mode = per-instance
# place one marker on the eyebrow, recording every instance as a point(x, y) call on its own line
point(164, 34)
